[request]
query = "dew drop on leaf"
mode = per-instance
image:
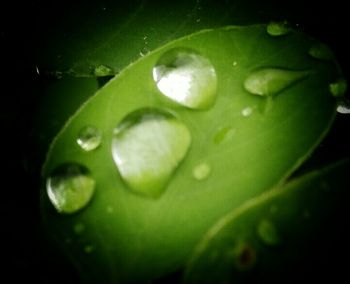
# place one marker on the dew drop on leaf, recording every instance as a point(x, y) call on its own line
point(278, 28)
point(187, 78)
point(268, 233)
point(147, 147)
point(70, 188)
point(201, 171)
point(271, 81)
point(247, 111)
point(89, 138)
point(338, 88)
point(321, 51)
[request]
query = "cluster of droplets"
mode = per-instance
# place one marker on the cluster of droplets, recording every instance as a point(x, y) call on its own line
point(149, 144)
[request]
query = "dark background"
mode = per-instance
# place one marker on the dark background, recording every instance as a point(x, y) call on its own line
point(28, 254)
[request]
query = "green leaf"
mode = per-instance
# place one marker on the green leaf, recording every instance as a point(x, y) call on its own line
point(286, 233)
point(241, 146)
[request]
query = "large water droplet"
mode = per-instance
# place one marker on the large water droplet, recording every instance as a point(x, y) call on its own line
point(201, 171)
point(271, 81)
point(321, 51)
point(147, 147)
point(278, 28)
point(338, 88)
point(70, 188)
point(89, 138)
point(186, 78)
point(268, 233)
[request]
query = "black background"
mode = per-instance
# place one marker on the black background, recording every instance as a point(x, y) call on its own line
point(27, 255)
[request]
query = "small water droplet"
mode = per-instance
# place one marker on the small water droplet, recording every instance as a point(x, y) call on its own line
point(343, 107)
point(278, 28)
point(89, 138)
point(79, 228)
point(338, 88)
point(147, 147)
point(245, 256)
point(271, 81)
point(268, 233)
point(234, 63)
point(187, 78)
point(109, 209)
point(321, 51)
point(144, 51)
point(103, 70)
point(223, 134)
point(247, 111)
point(70, 188)
point(89, 248)
point(201, 171)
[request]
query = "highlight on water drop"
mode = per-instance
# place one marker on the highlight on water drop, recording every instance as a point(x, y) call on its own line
point(70, 187)
point(147, 147)
point(271, 81)
point(278, 28)
point(187, 78)
point(89, 138)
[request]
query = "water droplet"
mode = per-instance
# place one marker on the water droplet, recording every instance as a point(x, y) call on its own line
point(103, 70)
point(271, 81)
point(89, 248)
point(321, 51)
point(343, 107)
point(110, 209)
point(247, 111)
point(245, 256)
point(201, 171)
point(234, 63)
point(144, 51)
point(268, 233)
point(70, 188)
point(223, 134)
point(186, 78)
point(278, 28)
point(338, 88)
point(79, 228)
point(147, 147)
point(89, 138)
